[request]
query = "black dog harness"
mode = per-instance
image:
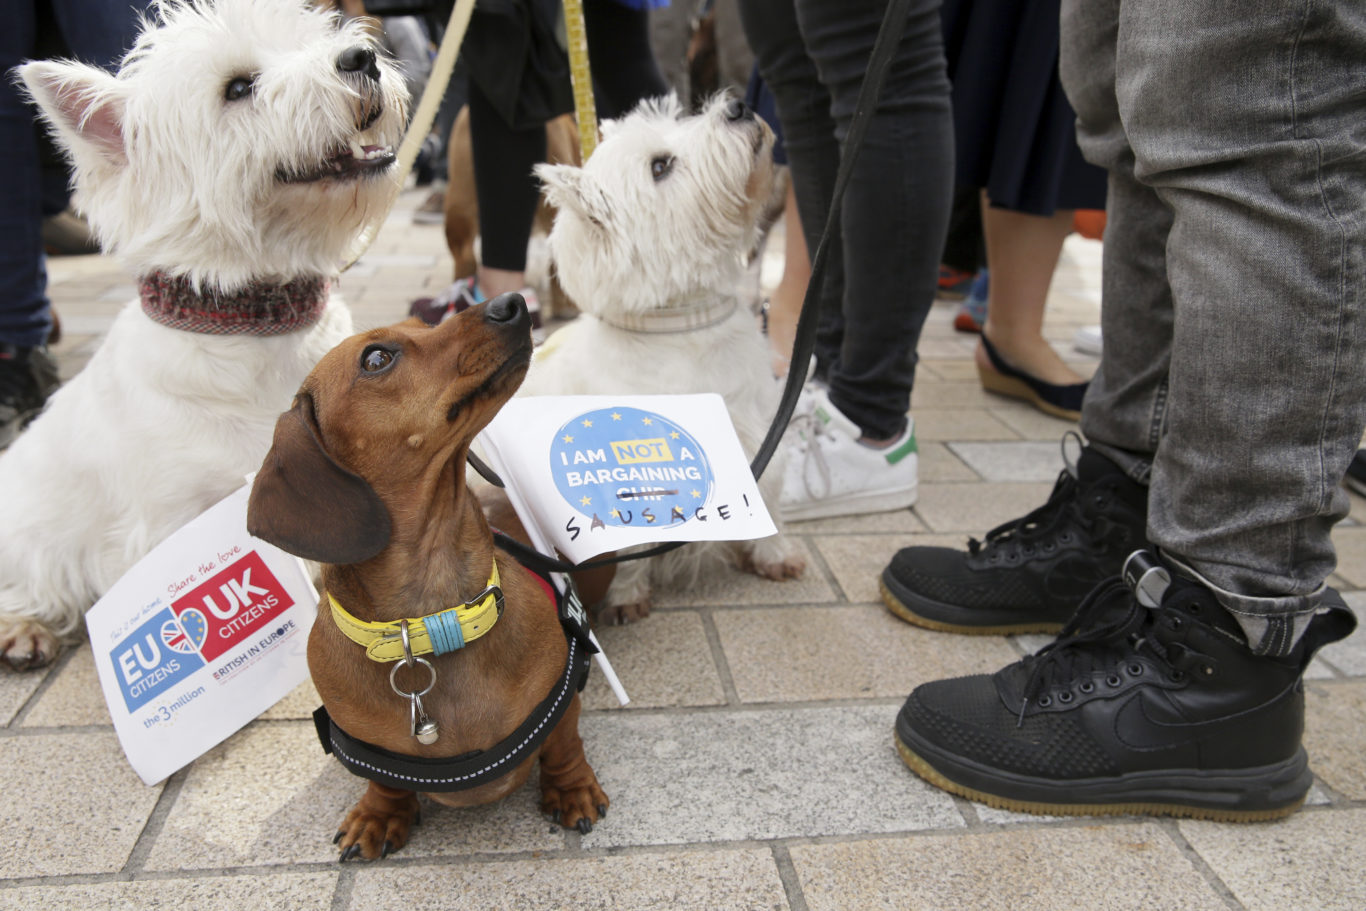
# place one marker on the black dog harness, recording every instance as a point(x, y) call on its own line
point(469, 770)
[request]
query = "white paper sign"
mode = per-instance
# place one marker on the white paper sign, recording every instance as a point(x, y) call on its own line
point(202, 635)
point(599, 473)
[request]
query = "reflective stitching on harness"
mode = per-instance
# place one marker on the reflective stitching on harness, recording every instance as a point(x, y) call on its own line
point(565, 684)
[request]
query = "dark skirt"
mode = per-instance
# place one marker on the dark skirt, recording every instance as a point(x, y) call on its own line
point(1014, 130)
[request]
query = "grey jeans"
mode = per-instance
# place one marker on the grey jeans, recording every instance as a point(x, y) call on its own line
point(1233, 378)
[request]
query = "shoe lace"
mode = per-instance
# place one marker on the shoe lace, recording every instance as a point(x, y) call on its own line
point(1063, 510)
point(1101, 638)
point(811, 430)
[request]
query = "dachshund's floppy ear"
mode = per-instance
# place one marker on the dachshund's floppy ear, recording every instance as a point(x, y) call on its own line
point(306, 503)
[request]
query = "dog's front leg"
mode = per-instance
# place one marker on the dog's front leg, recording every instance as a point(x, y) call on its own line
point(570, 793)
point(378, 825)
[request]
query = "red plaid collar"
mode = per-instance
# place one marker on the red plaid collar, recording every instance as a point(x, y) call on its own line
point(259, 308)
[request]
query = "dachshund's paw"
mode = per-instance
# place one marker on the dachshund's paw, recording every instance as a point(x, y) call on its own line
point(621, 614)
point(27, 643)
point(376, 832)
point(575, 808)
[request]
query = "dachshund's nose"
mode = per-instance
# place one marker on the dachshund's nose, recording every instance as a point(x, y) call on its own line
point(505, 308)
point(737, 110)
point(358, 59)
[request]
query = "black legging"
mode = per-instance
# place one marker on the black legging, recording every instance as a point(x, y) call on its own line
point(624, 73)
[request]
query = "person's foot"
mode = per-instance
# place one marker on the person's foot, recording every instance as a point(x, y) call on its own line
point(953, 283)
point(1028, 575)
point(829, 472)
point(972, 312)
point(1048, 384)
point(1150, 702)
point(1087, 340)
point(27, 377)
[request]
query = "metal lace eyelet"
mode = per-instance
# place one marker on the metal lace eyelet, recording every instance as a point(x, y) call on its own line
point(1194, 607)
point(1045, 701)
point(1065, 697)
point(1178, 676)
point(1175, 622)
point(1135, 670)
point(1086, 686)
point(1113, 680)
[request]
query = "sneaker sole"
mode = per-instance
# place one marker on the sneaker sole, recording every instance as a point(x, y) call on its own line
point(874, 501)
point(1019, 389)
point(1185, 793)
point(898, 604)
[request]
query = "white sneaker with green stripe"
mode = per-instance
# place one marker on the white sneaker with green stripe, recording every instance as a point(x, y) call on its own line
point(830, 473)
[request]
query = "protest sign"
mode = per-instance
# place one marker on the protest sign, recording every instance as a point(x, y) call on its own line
point(202, 635)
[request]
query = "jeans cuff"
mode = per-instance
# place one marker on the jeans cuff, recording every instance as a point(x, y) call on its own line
point(1272, 624)
point(1137, 467)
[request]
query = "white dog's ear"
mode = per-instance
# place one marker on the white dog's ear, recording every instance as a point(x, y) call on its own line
point(84, 104)
point(569, 187)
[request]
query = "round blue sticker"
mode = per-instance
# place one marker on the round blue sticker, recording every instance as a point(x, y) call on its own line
point(629, 467)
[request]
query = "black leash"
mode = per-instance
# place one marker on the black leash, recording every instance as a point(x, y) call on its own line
point(889, 33)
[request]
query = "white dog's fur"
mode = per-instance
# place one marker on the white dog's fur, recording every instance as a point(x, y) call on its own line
point(177, 177)
point(657, 221)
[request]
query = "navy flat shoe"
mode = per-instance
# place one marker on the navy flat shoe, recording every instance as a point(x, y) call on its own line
point(1003, 379)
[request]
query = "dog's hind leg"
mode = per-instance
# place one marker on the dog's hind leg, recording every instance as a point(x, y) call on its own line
point(27, 643)
point(628, 597)
point(378, 825)
point(570, 793)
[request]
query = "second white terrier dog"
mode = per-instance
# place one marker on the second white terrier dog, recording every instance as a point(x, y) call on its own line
point(232, 160)
point(648, 242)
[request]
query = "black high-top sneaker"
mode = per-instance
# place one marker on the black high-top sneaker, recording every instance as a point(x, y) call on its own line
point(27, 377)
point(1029, 575)
point(1158, 709)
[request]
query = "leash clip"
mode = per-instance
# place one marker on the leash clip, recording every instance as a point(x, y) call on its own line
point(423, 728)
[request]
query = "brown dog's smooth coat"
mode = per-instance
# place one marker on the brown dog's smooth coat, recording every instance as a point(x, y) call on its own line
point(367, 476)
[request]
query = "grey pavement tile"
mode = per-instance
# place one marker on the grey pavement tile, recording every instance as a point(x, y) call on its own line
point(728, 585)
point(939, 463)
point(1351, 548)
point(81, 808)
point(1312, 860)
point(276, 892)
point(1028, 422)
point(897, 521)
point(770, 773)
point(1335, 716)
point(858, 560)
point(75, 696)
point(268, 795)
point(813, 653)
point(943, 394)
point(16, 689)
point(745, 880)
point(975, 508)
point(944, 424)
point(663, 660)
point(1114, 867)
point(1012, 461)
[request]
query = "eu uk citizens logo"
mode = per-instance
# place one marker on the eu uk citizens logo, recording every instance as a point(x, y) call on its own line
point(630, 467)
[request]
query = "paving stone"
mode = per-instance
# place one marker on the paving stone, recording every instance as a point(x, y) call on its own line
point(62, 822)
point(728, 586)
point(811, 653)
point(858, 560)
point(1313, 860)
point(663, 660)
point(943, 424)
point(1335, 716)
point(1028, 422)
point(975, 508)
point(942, 394)
point(16, 689)
point(771, 773)
point(895, 521)
point(1349, 655)
point(1012, 461)
point(1114, 867)
point(276, 892)
point(713, 880)
point(268, 795)
point(939, 463)
point(1351, 548)
point(75, 696)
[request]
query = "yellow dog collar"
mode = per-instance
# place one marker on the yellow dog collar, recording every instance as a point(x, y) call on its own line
point(434, 634)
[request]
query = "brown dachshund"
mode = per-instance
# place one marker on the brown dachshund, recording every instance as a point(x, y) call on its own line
point(366, 475)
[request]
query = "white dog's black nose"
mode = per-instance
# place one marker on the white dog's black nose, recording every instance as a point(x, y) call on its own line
point(506, 308)
point(738, 110)
point(359, 59)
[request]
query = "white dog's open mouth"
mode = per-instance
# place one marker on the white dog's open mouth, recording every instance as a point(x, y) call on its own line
point(349, 163)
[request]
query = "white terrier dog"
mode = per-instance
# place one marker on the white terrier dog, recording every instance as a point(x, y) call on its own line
point(237, 153)
point(648, 242)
